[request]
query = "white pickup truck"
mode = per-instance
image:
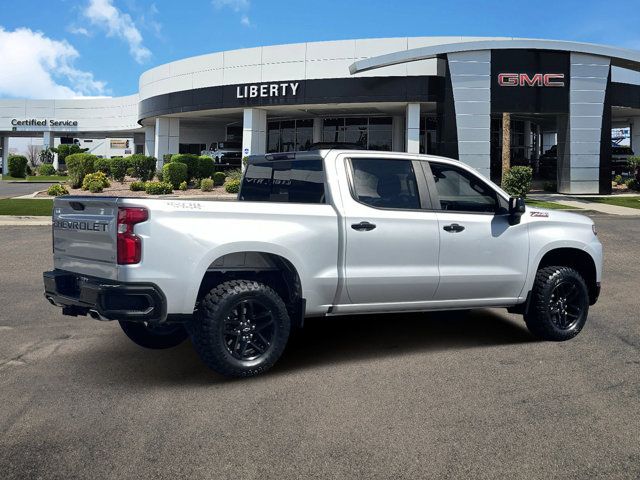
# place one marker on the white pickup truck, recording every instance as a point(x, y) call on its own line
point(330, 232)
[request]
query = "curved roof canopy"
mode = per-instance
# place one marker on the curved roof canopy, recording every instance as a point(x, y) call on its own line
point(620, 57)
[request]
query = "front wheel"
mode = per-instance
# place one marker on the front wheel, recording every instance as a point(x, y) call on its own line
point(156, 337)
point(241, 328)
point(559, 304)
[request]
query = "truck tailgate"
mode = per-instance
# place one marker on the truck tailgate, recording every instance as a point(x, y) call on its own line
point(84, 235)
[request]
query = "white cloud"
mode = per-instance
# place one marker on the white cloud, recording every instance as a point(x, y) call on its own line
point(235, 5)
point(238, 6)
point(78, 30)
point(103, 14)
point(35, 66)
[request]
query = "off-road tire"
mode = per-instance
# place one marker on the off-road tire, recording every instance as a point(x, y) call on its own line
point(542, 318)
point(156, 338)
point(213, 326)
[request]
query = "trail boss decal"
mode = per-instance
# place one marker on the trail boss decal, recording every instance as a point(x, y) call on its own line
point(536, 80)
point(539, 214)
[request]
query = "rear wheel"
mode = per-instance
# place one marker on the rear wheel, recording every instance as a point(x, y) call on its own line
point(241, 328)
point(152, 336)
point(559, 304)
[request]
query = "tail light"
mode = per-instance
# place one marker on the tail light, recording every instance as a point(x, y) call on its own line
point(129, 244)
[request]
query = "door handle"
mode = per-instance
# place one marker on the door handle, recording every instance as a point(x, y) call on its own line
point(363, 226)
point(453, 228)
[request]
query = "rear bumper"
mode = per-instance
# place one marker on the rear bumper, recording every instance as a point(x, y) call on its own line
point(104, 299)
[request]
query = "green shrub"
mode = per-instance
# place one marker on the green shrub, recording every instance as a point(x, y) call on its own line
point(205, 166)
point(174, 173)
point(57, 190)
point(550, 187)
point(632, 184)
point(91, 178)
point(206, 185)
point(95, 186)
point(137, 186)
point(219, 178)
point(130, 171)
point(17, 166)
point(190, 160)
point(102, 165)
point(232, 186)
point(79, 165)
point(144, 167)
point(517, 181)
point(183, 186)
point(166, 158)
point(158, 188)
point(66, 150)
point(159, 175)
point(118, 168)
point(633, 163)
point(235, 174)
point(46, 169)
point(617, 179)
point(29, 171)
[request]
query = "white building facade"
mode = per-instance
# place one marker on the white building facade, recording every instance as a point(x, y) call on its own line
point(439, 95)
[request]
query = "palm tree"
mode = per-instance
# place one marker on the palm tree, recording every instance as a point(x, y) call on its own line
point(506, 143)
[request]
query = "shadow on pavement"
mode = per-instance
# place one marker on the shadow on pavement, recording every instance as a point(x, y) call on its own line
point(323, 341)
point(344, 339)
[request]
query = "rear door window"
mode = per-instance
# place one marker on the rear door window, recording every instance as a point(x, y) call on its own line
point(293, 181)
point(385, 183)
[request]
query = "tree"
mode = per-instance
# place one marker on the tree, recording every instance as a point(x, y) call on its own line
point(33, 154)
point(506, 143)
point(65, 150)
point(46, 155)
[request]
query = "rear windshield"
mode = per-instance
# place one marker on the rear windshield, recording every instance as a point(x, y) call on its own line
point(294, 181)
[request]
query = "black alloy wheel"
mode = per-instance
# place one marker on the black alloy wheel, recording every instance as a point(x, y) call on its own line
point(566, 305)
point(249, 329)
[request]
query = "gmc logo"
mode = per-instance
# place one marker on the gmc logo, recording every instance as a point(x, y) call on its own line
point(537, 80)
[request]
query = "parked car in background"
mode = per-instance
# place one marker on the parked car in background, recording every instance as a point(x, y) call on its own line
point(227, 152)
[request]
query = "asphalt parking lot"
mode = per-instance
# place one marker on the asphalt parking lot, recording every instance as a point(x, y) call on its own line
point(14, 189)
point(402, 396)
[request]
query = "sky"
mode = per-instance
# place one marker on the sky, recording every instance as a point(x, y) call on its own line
point(67, 49)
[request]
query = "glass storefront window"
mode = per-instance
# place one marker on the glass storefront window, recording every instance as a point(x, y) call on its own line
point(289, 135)
point(355, 131)
point(380, 133)
point(372, 133)
point(333, 130)
point(304, 134)
point(428, 135)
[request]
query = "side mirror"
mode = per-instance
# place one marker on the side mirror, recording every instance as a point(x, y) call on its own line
point(517, 208)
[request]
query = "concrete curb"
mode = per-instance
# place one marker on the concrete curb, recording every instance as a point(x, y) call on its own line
point(29, 196)
point(584, 204)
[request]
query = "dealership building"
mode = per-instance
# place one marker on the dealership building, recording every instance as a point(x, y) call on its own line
point(437, 95)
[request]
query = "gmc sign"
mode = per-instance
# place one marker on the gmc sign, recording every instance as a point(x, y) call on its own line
point(536, 80)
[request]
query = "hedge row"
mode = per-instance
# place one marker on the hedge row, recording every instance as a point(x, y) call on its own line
point(81, 164)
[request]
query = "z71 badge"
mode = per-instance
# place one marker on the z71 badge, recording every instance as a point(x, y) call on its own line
point(539, 214)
